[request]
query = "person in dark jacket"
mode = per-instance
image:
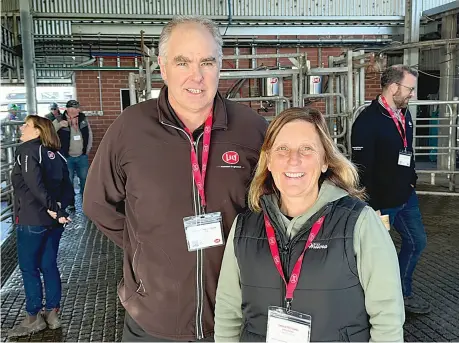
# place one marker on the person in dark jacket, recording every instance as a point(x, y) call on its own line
point(42, 190)
point(146, 181)
point(55, 116)
point(76, 140)
point(382, 148)
point(308, 249)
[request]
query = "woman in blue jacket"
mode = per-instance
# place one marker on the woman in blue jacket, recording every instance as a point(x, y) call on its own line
point(42, 190)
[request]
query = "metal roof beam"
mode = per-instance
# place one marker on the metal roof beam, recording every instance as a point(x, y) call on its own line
point(239, 30)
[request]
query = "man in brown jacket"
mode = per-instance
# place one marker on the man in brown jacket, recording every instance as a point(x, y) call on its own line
point(166, 183)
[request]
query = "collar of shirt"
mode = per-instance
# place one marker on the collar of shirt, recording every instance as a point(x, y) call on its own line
point(397, 111)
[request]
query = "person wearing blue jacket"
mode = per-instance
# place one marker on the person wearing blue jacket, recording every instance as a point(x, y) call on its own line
point(382, 148)
point(42, 190)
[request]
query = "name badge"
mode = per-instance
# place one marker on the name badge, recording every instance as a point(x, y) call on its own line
point(203, 231)
point(77, 138)
point(287, 326)
point(404, 158)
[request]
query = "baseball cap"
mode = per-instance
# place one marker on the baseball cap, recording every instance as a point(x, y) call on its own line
point(73, 103)
point(53, 106)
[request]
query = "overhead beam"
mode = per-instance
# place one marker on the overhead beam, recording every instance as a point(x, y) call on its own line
point(239, 30)
point(439, 11)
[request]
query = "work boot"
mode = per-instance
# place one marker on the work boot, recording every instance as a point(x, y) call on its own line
point(28, 326)
point(415, 304)
point(52, 318)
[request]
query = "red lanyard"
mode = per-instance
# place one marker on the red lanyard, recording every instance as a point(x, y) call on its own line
point(291, 285)
point(199, 177)
point(394, 118)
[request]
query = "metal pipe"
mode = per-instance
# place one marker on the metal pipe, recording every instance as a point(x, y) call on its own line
point(362, 81)
point(295, 96)
point(100, 86)
point(6, 209)
point(327, 95)
point(437, 193)
point(132, 89)
point(283, 99)
point(259, 56)
point(302, 64)
point(281, 94)
point(28, 56)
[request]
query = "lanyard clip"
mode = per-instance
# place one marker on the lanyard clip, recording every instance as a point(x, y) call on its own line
point(288, 304)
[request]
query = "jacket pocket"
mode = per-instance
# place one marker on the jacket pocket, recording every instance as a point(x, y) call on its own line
point(140, 288)
point(349, 334)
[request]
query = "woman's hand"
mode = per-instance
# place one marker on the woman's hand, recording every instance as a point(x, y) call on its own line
point(52, 214)
point(64, 220)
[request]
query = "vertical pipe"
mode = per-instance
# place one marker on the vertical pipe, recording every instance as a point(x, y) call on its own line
point(453, 144)
point(356, 89)
point(28, 56)
point(302, 60)
point(132, 91)
point(349, 81)
point(236, 52)
point(349, 100)
point(295, 101)
point(281, 106)
point(362, 80)
point(148, 75)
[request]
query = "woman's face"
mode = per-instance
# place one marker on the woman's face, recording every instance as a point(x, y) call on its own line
point(29, 132)
point(296, 159)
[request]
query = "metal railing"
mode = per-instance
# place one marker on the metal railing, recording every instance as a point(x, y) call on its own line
point(9, 141)
point(449, 122)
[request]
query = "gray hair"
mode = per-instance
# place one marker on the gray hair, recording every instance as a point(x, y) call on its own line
point(190, 19)
point(395, 74)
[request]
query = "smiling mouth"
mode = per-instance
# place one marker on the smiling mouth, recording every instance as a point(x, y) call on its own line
point(194, 91)
point(294, 175)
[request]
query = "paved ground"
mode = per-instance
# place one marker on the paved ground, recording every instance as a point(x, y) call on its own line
point(91, 267)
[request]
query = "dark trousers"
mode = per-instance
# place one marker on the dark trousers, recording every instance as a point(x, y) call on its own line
point(407, 220)
point(37, 253)
point(132, 332)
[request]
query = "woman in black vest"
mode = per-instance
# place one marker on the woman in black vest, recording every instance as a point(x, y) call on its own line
point(42, 190)
point(309, 261)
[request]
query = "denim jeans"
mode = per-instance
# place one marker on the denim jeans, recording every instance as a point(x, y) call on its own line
point(407, 220)
point(79, 166)
point(37, 252)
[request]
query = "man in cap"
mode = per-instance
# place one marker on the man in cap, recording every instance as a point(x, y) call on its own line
point(76, 141)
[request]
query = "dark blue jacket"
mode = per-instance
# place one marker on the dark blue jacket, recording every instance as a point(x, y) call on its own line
point(40, 180)
point(376, 144)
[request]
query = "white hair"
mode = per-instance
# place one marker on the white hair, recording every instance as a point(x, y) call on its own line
point(190, 19)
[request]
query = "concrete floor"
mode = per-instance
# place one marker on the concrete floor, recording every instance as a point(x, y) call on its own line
point(91, 268)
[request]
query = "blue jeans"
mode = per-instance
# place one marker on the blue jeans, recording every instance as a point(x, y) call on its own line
point(407, 220)
point(37, 252)
point(79, 166)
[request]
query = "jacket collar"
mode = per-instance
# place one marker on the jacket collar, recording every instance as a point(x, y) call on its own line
point(168, 116)
point(383, 110)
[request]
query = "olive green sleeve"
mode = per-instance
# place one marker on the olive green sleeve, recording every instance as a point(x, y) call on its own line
point(379, 275)
point(228, 313)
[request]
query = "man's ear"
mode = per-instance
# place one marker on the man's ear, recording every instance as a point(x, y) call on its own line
point(162, 68)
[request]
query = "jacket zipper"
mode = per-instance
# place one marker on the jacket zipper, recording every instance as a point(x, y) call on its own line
point(199, 253)
point(199, 263)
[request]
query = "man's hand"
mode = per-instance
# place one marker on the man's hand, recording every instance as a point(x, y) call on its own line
point(378, 212)
point(64, 123)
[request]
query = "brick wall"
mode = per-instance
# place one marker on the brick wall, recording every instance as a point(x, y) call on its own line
point(87, 85)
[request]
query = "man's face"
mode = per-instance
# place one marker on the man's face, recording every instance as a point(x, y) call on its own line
point(191, 68)
point(405, 91)
point(72, 111)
